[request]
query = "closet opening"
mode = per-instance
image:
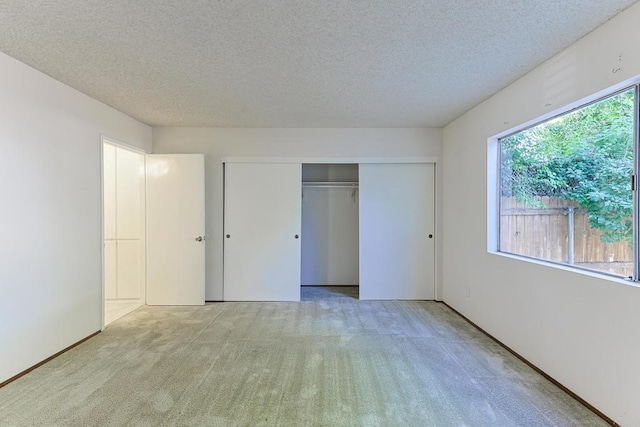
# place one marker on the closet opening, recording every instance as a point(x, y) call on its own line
point(124, 237)
point(330, 232)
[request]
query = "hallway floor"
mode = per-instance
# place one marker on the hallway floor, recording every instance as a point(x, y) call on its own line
point(115, 309)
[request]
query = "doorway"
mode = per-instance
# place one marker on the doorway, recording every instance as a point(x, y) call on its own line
point(330, 231)
point(124, 237)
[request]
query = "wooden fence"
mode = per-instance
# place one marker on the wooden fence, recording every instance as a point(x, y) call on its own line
point(544, 233)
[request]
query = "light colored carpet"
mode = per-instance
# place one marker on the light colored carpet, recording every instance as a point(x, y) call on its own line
point(330, 360)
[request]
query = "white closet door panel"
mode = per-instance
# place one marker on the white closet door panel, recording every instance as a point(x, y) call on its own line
point(262, 218)
point(129, 265)
point(109, 183)
point(396, 218)
point(129, 198)
point(175, 220)
point(110, 270)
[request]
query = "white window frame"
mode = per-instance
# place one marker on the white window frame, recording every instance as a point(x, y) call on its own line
point(494, 182)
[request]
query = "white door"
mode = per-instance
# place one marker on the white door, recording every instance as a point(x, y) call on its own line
point(396, 222)
point(175, 229)
point(262, 217)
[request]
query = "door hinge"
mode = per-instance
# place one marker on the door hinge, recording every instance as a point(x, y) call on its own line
point(633, 182)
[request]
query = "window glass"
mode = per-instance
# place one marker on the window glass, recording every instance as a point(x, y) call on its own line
point(565, 188)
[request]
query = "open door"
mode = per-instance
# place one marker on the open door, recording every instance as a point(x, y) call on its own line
point(175, 229)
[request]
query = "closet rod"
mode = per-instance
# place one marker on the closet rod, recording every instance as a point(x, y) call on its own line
point(330, 184)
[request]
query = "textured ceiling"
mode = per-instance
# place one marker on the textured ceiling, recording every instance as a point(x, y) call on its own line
point(288, 63)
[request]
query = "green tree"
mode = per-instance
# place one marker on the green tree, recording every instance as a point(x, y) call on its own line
point(584, 156)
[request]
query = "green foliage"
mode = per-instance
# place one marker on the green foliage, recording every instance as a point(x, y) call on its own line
point(585, 156)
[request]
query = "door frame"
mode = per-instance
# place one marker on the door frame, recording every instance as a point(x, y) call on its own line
point(130, 147)
point(438, 290)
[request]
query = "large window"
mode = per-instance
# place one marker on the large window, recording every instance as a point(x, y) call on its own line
point(566, 188)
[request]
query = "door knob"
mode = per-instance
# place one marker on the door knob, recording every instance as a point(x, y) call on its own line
point(297, 236)
point(228, 235)
point(431, 236)
point(200, 238)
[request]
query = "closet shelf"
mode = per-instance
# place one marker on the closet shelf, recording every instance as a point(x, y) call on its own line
point(330, 184)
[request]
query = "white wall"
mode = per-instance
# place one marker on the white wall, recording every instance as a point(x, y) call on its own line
point(50, 216)
point(329, 238)
point(324, 172)
point(582, 329)
point(216, 143)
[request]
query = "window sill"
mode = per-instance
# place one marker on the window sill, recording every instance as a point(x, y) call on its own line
point(568, 268)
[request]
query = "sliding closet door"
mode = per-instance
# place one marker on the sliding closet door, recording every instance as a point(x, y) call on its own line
point(262, 213)
point(396, 220)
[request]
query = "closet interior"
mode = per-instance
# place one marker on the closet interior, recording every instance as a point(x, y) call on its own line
point(330, 227)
